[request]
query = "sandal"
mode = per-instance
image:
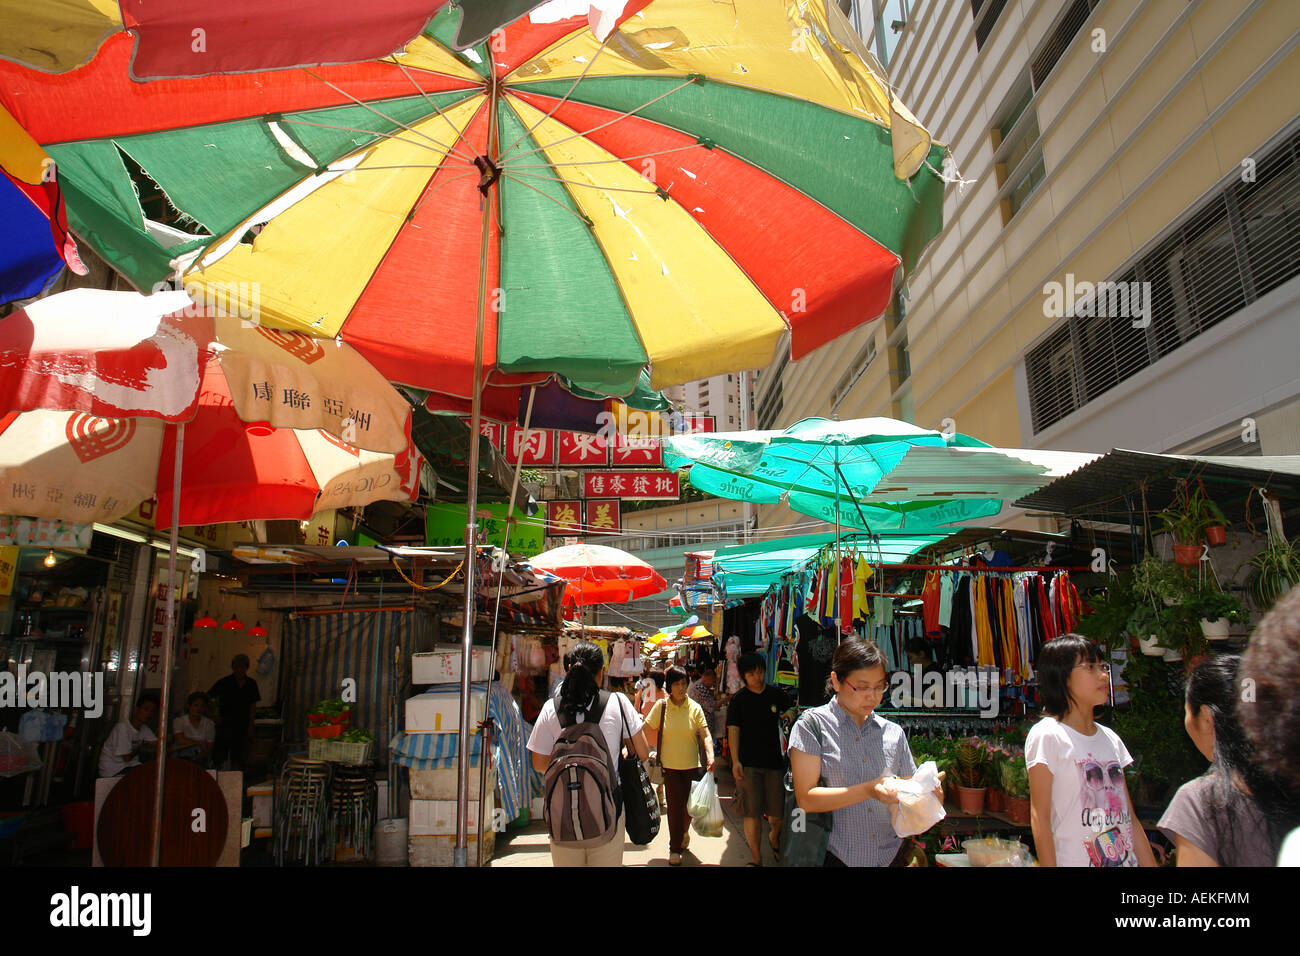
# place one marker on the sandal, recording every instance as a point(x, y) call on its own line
point(752, 863)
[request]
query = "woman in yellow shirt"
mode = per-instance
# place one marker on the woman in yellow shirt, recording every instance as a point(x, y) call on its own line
point(674, 726)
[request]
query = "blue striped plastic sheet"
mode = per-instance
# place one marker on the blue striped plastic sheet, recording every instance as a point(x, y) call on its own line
point(509, 751)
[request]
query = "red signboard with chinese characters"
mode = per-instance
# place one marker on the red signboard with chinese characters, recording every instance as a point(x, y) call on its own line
point(636, 451)
point(603, 516)
point(579, 448)
point(630, 484)
point(563, 517)
point(539, 450)
point(699, 423)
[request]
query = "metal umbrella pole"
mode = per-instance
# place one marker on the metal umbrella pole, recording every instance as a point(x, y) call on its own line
point(489, 171)
point(169, 640)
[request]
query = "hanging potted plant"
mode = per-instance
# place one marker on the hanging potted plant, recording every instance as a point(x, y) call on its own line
point(1216, 525)
point(1158, 588)
point(1015, 782)
point(1275, 570)
point(971, 766)
point(1185, 528)
point(1215, 611)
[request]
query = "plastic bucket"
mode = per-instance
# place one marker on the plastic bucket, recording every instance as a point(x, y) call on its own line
point(79, 818)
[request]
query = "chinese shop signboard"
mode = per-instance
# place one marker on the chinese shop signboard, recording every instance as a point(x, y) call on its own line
point(631, 484)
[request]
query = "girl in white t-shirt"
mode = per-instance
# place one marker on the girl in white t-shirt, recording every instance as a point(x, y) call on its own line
point(1079, 805)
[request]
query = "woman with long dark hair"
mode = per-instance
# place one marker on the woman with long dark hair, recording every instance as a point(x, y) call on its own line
point(1213, 820)
point(619, 723)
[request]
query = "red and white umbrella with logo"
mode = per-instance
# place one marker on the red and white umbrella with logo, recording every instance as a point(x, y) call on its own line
point(277, 425)
point(600, 575)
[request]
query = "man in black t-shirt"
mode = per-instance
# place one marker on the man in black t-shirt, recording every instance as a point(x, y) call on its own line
point(754, 735)
point(237, 696)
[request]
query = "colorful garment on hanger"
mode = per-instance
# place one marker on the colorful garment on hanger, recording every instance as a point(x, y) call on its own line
point(930, 604)
point(846, 595)
point(861, 575)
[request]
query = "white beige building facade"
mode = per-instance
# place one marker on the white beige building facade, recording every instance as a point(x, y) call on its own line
point(1152, 145)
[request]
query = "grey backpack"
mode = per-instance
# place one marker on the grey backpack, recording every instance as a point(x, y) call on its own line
point(581, 787)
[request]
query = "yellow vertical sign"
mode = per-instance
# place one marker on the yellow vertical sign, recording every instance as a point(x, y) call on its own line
point(8, 569)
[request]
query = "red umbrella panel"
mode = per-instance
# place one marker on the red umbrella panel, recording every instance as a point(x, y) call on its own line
point(600, 575)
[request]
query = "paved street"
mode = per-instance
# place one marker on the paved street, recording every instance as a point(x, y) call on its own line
point(528, 846)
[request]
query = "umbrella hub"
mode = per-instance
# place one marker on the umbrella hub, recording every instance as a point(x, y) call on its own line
point(489, 173)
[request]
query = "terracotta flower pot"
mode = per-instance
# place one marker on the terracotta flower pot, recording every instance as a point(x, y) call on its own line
point(995, 801)
point(1018, 809)
point(1188, 555)
point(971, 799)
point(1215, 535)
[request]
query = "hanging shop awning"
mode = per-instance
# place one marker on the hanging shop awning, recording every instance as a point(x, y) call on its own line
point(927, 473)
point(748, 570)
point(1099, 488)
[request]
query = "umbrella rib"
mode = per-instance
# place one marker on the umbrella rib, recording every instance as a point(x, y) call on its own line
point(401, 139)
point(528, 132)
point(601, 162)
point(611, 122)
point(570, 182)
point(386, 116)
point(576, 215)
point(422, 92)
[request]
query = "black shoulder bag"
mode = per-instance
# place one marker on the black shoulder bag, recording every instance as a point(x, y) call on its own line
point(639, 802)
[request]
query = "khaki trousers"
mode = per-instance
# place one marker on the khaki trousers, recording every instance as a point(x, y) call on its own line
point(608, 854)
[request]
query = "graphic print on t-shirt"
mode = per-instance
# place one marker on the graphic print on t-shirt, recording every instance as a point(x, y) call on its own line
point(1107, 824)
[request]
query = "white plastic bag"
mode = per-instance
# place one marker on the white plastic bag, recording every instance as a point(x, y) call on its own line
point(918, 807)
point(703, 792)
point(705, 807)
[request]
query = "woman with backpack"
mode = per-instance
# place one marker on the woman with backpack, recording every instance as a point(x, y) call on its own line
point(566, 731)
point(678, 726)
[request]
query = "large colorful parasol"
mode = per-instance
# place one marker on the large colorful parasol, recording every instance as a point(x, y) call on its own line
point(678, 195)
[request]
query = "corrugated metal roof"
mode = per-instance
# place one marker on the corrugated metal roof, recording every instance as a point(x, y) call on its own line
point(962, 472)
point(1099, 488)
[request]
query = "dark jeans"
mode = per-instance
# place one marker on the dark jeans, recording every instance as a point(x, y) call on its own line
point(677, 789)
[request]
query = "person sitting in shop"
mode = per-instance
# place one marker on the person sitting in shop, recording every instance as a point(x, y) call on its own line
point(757, 764)
point(857, 755)
point(237, 696)
point(131, 738)
point(1080, 809)
point(193, 733)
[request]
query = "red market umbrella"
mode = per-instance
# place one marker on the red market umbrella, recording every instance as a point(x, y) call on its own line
point(190, 38)
point(600, 575)
point(69, 361)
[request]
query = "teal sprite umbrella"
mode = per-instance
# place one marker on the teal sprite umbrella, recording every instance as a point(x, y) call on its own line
point(825, 469)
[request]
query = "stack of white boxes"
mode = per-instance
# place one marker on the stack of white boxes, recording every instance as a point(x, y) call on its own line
point(432, 829)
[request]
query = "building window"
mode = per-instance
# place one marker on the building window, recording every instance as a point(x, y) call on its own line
point(1058, 40)
point(1236, 246)
point(889, 18)
point(1017, 154)
point(986, 13)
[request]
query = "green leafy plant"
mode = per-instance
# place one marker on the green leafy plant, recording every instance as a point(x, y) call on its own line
point(1211, 604)
point(1157, 580)
point(1273, 571)
point(972, 760)
point(1015, 775)
point(1192, 512)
